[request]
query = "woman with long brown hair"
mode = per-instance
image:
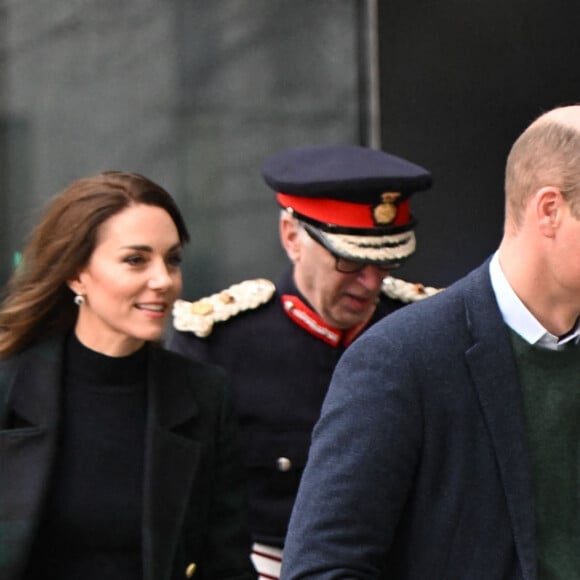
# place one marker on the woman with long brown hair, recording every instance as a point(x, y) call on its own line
point(118, 459)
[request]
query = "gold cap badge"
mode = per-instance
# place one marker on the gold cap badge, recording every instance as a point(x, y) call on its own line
point(386, 211)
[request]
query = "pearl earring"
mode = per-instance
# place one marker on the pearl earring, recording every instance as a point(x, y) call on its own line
point(79, 299)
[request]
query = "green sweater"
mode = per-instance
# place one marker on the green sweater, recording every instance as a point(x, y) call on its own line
point(551, 393)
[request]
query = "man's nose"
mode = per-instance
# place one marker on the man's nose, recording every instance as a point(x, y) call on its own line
point(371, 277)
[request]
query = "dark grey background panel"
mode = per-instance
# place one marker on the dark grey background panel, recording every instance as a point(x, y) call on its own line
point(192, 94)
point(15, 189)
point(459, 82)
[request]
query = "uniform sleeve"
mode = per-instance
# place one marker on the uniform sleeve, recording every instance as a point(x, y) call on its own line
point(360, 468)
point(228, 539)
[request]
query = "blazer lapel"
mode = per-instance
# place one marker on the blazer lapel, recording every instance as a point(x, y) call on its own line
point(496, 381)
point(170, 465)
point(27, 448)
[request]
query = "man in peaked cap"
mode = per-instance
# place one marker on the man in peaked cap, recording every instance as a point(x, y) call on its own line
point(345, 223)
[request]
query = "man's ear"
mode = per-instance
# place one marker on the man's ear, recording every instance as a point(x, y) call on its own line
point(290, 236)
point(549, 205)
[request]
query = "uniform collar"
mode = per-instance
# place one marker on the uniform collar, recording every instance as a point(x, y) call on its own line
point(301, 312)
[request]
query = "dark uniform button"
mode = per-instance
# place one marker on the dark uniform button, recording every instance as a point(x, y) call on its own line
point(283, 464)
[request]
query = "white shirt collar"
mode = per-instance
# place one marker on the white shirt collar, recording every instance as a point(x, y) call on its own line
point(518, 317)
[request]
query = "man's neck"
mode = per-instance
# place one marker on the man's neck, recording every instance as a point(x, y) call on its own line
point(530, 280)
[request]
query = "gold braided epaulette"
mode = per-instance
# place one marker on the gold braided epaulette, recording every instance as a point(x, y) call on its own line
point(407, 291)
point(199, 316)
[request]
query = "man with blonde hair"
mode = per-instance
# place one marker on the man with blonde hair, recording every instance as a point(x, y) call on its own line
point(459, 457)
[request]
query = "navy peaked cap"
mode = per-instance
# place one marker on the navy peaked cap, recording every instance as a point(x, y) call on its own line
point(354, 200)
point(343, 172)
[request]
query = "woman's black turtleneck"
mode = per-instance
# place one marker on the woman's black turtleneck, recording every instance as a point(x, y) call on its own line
point(91, 526)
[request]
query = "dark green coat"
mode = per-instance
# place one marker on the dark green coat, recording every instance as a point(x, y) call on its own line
point(194, 502)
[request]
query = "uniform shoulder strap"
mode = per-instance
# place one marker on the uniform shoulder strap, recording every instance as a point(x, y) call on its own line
point(398, 289)
point(199, 316)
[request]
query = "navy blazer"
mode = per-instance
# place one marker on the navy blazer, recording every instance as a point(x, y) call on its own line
point(419, 466)
point(194, 502)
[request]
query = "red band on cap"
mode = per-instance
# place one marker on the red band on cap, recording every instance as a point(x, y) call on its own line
point(341, 213)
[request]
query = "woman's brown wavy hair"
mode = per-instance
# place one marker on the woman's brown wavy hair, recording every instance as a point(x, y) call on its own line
point(38, 301)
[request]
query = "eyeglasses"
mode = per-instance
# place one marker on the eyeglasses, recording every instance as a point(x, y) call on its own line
point(346, 266)
point(352, 267)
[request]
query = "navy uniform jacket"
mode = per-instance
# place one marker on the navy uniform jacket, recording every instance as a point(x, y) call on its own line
point(419, 466)
point(280, 374)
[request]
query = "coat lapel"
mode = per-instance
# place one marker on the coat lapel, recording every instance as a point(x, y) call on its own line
point(170, 465)
point(497, 385)
point(28, 437)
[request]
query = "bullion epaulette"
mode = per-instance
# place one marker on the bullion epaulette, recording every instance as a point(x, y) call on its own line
point(199, 316)
point(407, 291)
